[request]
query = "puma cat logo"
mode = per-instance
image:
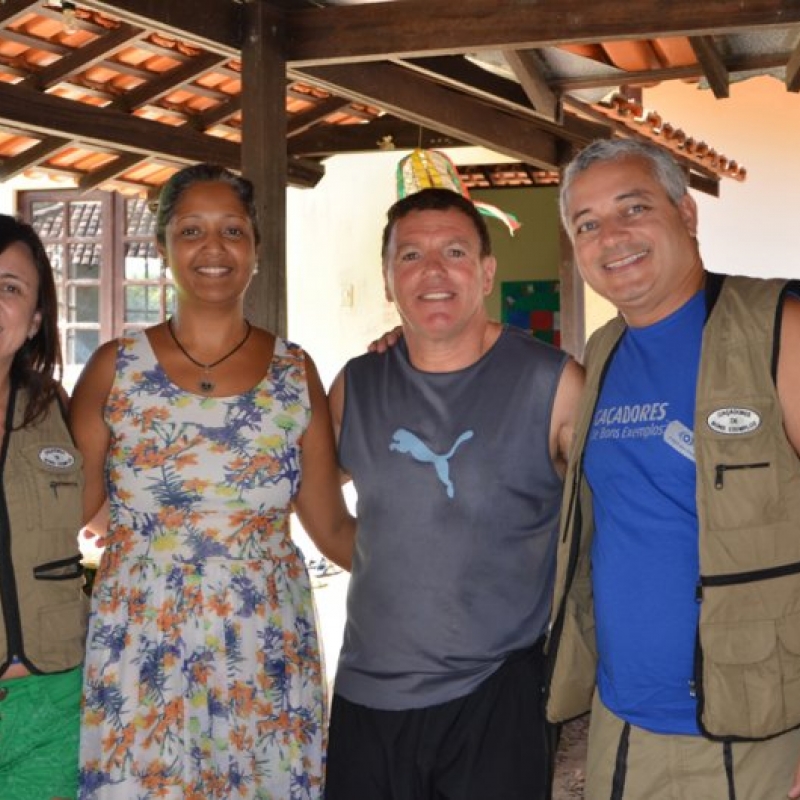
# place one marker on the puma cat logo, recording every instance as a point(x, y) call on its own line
point(403, 441)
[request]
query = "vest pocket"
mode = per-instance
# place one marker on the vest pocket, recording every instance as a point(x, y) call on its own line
point(751, 677)
point(62, 631)
point(54, 481)
point(745, 494)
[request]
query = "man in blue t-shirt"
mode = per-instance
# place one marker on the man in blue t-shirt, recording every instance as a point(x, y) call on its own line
point(675, 639)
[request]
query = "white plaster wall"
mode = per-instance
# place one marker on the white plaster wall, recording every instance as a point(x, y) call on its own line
point(752, 228)
point(336, 303)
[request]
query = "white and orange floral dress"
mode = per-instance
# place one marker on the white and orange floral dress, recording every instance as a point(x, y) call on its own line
point(203, 677)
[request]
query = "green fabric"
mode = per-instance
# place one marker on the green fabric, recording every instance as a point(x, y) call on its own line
point(39, 733)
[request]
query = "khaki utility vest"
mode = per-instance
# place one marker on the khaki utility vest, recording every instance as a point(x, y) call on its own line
point(44, 607)
point(747, 660)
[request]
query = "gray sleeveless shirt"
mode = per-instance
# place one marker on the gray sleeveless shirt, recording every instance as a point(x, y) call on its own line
point(458, 506)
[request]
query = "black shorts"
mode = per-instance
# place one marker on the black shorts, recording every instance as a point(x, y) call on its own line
point(493, 744)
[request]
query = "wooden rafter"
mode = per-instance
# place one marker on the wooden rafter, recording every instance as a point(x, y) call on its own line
point(793, 71)
point(528, 72)
point(714, 68)
point(421, 101)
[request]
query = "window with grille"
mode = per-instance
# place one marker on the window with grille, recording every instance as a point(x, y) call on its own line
point(109, 277)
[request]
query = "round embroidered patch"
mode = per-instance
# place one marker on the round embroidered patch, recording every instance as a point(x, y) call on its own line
point(734, 421)
point(56, 457)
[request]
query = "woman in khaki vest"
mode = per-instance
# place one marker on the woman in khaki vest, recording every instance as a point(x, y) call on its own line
point(42, 625)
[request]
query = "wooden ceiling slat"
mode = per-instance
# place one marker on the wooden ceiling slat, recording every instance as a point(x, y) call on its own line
point(111, 128)
point(82, 58)
point(168, 81)
point(304, 120)
point(756, 62)
point(31, 157)
point(109, 172)
point(47, 45)
point(218, 114)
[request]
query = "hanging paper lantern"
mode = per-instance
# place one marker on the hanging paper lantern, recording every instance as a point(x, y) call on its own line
point(432, 169)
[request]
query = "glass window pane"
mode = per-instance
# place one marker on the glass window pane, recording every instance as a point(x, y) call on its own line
point(170, 300)
point(84, 304)
point(84, 261)
point(85, 218)
point(47, 217)
point(143, 304)
point(142, 262)
point(80, 345)
point(55, 252)
point(139, 219)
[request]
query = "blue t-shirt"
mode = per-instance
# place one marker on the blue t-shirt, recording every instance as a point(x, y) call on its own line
point(645, 566)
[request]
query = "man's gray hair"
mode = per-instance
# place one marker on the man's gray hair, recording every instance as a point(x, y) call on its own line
point(665, 169)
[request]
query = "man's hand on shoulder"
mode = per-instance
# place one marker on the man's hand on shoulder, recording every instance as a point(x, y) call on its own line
point(385, 341)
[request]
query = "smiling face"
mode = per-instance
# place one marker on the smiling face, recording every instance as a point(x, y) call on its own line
point(210, 244)
point(632, 244)
point(19, 290)
point(435, 274)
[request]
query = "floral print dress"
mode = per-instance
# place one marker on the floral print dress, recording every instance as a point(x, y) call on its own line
point(203, 677)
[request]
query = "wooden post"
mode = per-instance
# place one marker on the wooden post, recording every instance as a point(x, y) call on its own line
point(264, 159)
point(573, 306)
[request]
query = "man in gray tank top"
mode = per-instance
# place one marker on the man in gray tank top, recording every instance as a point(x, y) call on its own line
point(456, 440)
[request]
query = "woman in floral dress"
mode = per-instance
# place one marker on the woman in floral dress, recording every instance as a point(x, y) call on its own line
point(203, 677)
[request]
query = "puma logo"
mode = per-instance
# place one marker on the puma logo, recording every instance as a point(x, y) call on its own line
point(403, 441)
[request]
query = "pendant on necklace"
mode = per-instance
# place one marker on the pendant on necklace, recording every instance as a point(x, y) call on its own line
point(206, 385)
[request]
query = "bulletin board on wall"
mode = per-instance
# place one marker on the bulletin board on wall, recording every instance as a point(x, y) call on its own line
point(534, 306)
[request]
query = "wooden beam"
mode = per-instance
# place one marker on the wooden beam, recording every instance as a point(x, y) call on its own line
point(214, 25)
point(458, 73)
point(109, 128)
point(793, 71)
point(12, 10)
point(528, 71)
point(264, 160)
point(305, 173)
point(714, 68)
point(31, 157)
point(372, 31)
point(385, 133)
point(756, 62)
point(420, 101)
point(84, 57)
